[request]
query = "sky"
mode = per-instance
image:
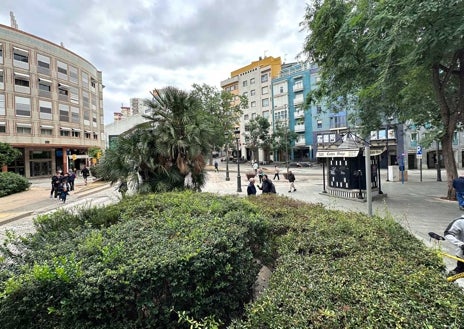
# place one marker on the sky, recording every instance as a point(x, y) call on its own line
point(140, 45)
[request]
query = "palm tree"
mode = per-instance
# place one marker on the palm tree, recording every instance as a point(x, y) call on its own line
point(183, 134)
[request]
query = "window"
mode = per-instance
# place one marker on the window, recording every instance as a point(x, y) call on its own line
point(93, 83)
point(74, 95)
point(245, 83)
point(245, 94)
point(265, 102)
point(64, 113)
point(265, 90)
point(253, 92)
point(76, 133)
point(245, 117)
point(62, 70)
point(73, 77)
point(21, 82)
point(75, 117)
point(253, 104)
point(45, 86)
point(266, 114)
point(21, 58)
point(45, 109)
point(46, 131)
point(63, 92)
point(23, 130)
point(2, 127)
point(65, 132)
point(43, 64)
point(2, 104)
point(1, 53)
point(252, 81)
point(87, 134)
point(298, 85)
point(22, 106)
point(253, 116)
point(319, 123)
point(264, 77)
point(318, 109)
point(2, 86)
point(85, 80)
point(281, 89)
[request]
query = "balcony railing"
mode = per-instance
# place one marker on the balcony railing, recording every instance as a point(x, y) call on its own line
point(299, 128)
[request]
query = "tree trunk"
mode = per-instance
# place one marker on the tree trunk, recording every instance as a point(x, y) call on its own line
point(450, 163)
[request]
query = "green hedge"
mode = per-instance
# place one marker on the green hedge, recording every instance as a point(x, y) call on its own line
point(11, 183)
point(151, 261)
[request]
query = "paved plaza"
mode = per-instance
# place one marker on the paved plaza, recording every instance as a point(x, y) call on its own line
point(419, 206)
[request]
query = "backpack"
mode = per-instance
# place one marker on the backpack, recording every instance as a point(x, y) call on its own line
point(273, 190)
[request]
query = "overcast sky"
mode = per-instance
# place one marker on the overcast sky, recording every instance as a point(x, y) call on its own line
point(140, 45)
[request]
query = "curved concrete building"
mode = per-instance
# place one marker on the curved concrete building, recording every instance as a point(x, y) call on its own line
point(51, 104)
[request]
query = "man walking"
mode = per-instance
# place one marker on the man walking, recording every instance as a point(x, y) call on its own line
point(291, 179)
point(458, 185)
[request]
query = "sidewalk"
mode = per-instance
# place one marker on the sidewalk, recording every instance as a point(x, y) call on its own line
point(37, 199)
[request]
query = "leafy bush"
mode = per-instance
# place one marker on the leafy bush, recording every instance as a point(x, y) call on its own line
point(177, 259)
point(163, 255)
point(11, 183)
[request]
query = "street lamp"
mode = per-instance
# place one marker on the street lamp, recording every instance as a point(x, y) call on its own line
point(237, 138)
point(226, 134)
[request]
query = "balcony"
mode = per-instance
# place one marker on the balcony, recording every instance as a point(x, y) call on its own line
point(299, 114)
point(298, 100)
point(299, 128)
point(298, 87)
point(301, 141)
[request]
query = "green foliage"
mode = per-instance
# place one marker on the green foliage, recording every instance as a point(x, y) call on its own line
point(11, 183)
point(188, 260)
point(183, 251)
point(8, 154)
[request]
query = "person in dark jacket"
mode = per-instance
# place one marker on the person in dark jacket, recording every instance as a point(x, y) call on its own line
point(251, 189)
point(291, 179)
point(458, 185)
point(267, 186)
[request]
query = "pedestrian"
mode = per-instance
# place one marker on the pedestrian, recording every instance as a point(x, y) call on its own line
point(458, 185)
point(267, 186)
point(85, 173)
point(64, 192)
point(260, 175)
point(276, 172)
point(216, 166)
point(55, 183)
point(291, 179)
point(454, 233)
point(251, 189)
point(71, 179)
point(255, 167)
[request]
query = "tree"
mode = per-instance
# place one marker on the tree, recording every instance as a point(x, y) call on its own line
point(402, 58)
point(8, 154)
point(257, 135)
point(224, 110)
point(167, 152)
point(282, 139)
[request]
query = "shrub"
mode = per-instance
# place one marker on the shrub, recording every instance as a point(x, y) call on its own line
point(11, 183)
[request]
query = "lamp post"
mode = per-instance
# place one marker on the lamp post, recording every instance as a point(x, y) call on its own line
point(388, 155)
point(237, 138)
point(227, 156)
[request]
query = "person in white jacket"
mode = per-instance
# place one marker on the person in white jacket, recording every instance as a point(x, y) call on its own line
point(454, 233)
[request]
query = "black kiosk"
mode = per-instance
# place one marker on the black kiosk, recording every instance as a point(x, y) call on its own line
point(346, 168)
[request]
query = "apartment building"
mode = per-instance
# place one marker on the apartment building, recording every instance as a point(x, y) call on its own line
point(255, 82)
point(51, 104)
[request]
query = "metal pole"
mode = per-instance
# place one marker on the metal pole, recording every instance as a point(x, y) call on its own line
point(367, 153)
point(438, 162)
point(388, 155)
point(420, 164)
point(239, 183)
point(378, 174)
point(227, 163)
point(323, 176)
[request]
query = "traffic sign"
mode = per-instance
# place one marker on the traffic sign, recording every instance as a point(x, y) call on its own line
point(419, 150)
